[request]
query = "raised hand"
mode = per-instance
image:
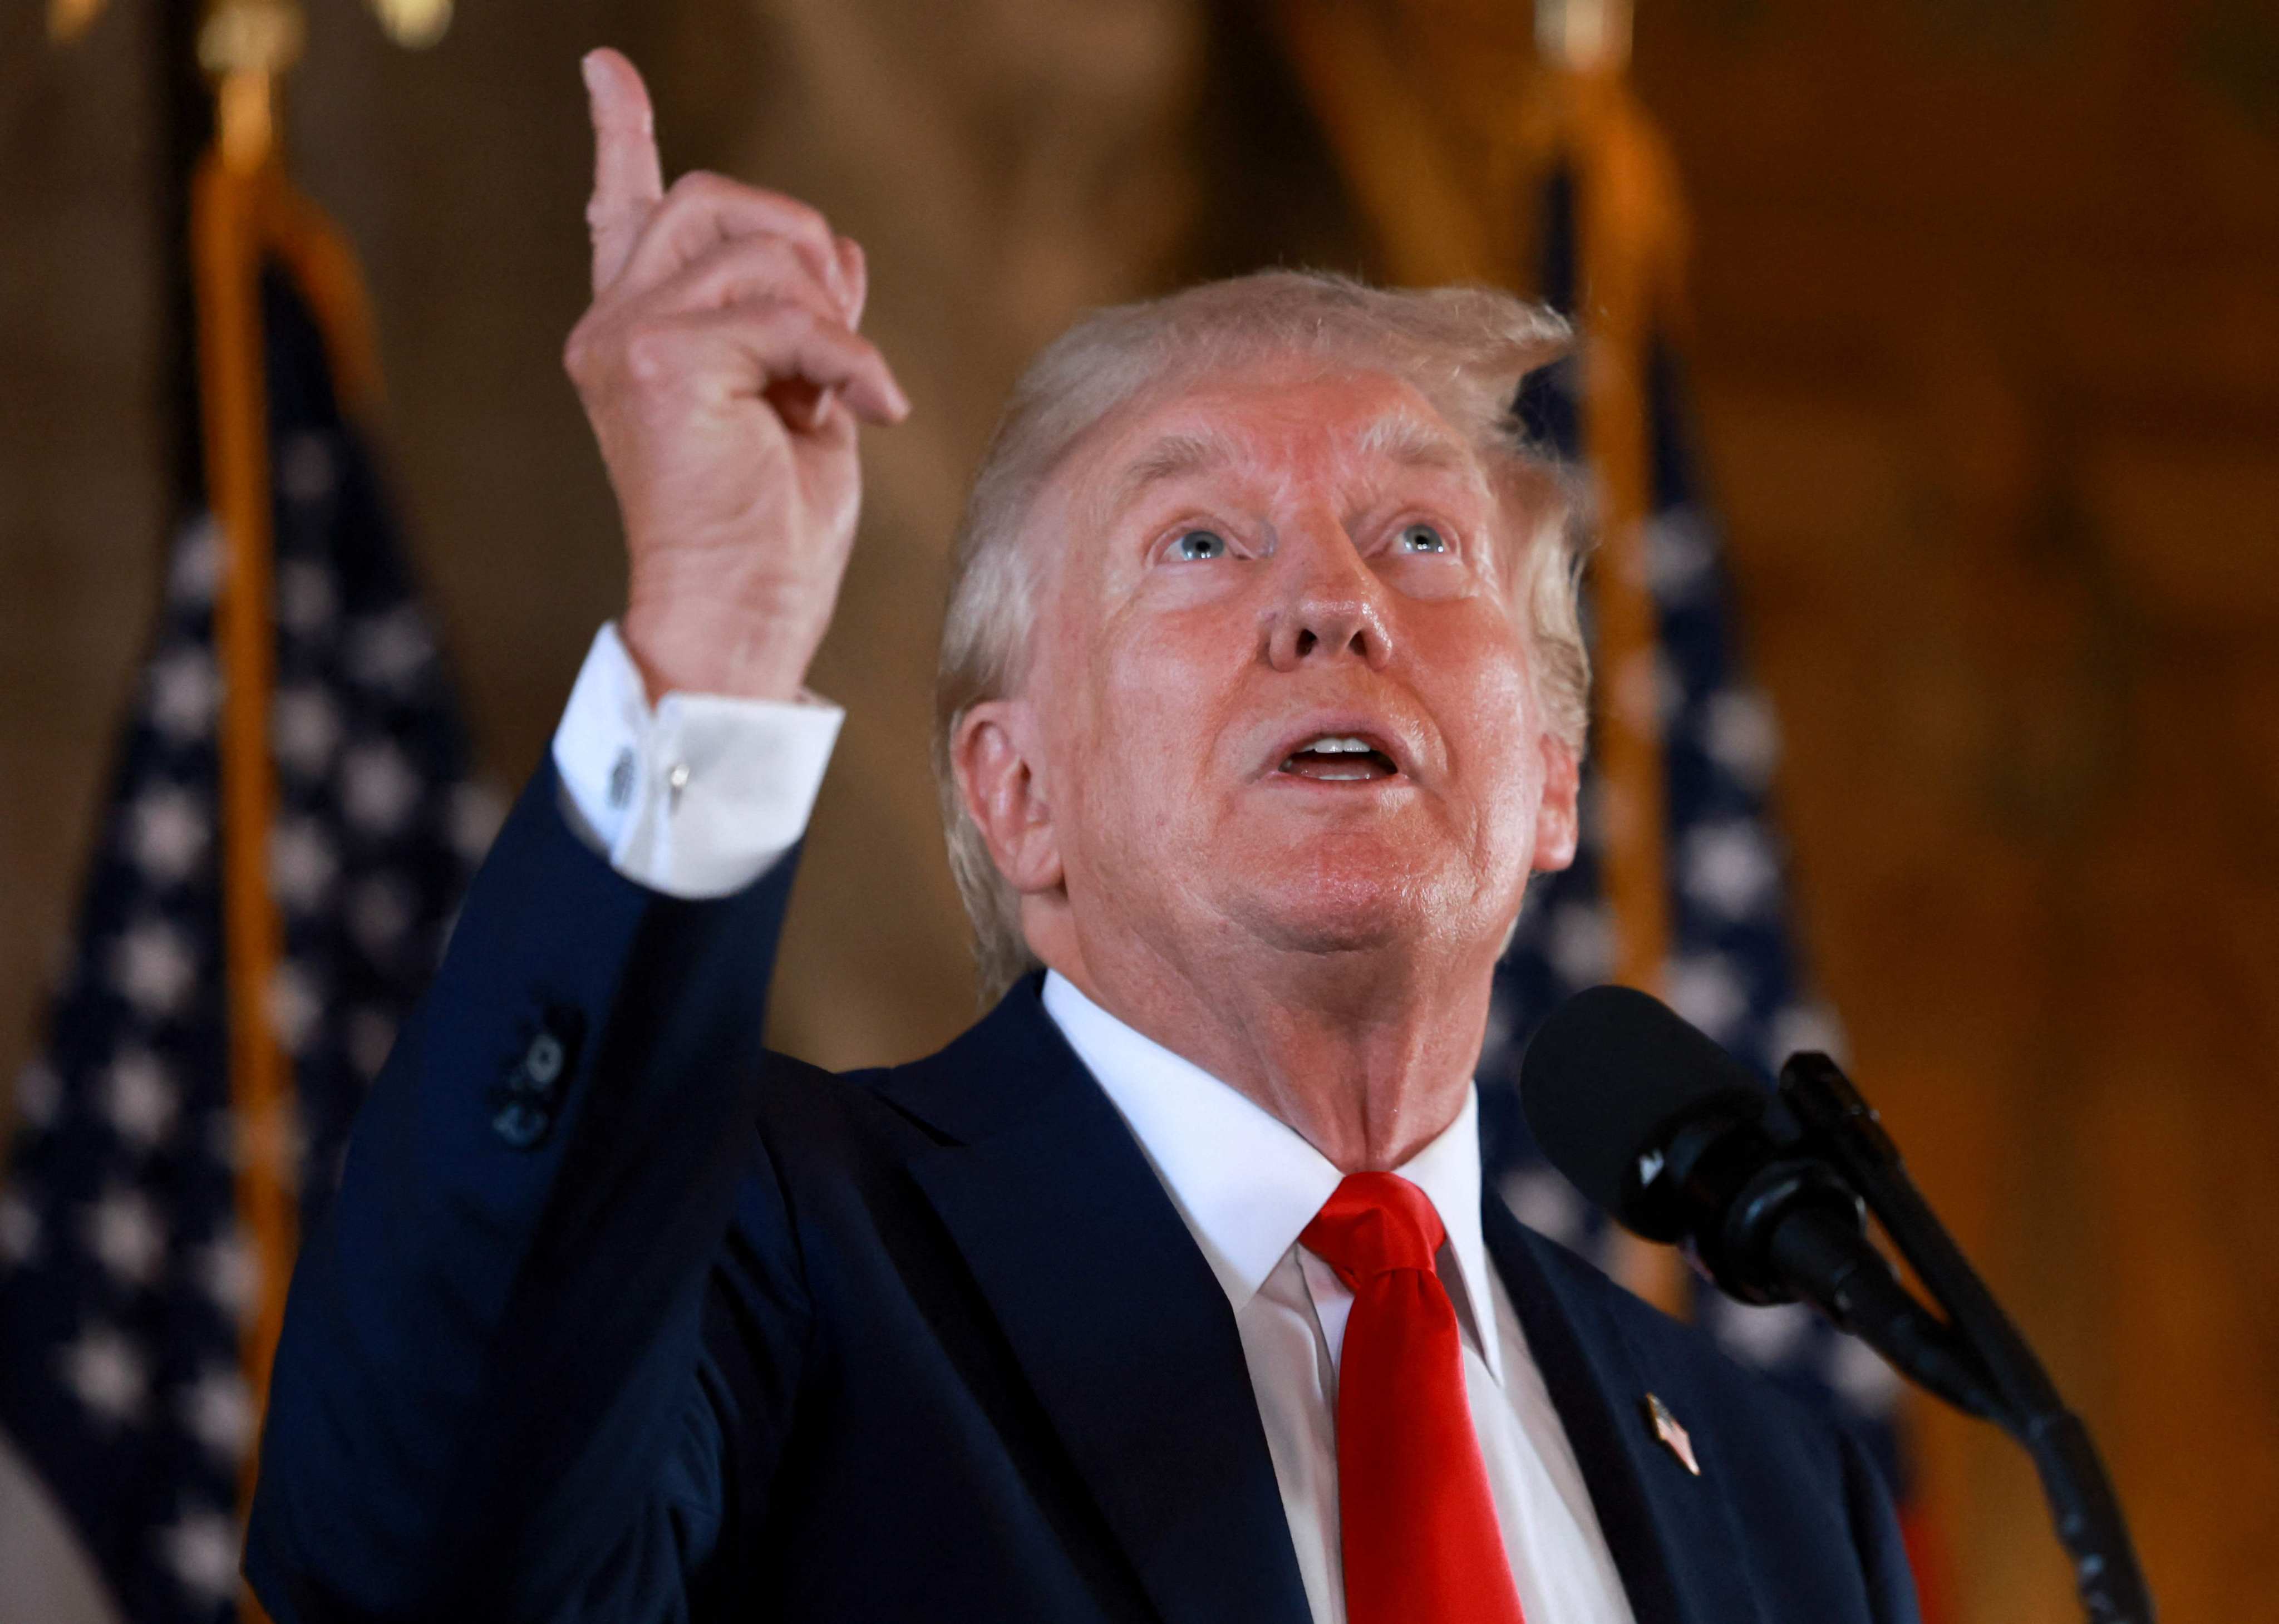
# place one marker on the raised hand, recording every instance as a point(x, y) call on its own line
point(721, 370)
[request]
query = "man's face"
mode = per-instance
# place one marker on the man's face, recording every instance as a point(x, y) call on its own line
point(1283, 691)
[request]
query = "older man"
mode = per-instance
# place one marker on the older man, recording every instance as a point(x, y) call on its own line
point(1168, 1290)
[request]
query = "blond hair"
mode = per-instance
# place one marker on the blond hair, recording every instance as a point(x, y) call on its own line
point(1465, 349)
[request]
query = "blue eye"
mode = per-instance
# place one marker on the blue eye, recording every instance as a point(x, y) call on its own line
point(1421, 537)
point(1197, 544)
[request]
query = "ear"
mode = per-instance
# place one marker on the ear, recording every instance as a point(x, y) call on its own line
point(997, 761)
point(1558, 822)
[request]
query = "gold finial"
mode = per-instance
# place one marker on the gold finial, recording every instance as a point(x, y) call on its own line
point(67, 19)
point(250, 36)
point(413, 24)
point(1583, 36)
point(246, 45)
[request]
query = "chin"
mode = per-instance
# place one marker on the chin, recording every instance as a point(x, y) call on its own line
point(1344, 897)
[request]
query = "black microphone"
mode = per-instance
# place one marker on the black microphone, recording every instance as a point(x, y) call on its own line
point(1680, 1142)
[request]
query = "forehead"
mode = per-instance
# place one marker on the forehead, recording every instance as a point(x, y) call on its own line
point(1277, 419)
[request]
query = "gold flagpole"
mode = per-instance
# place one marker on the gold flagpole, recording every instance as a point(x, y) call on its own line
point(1630, 244)
point(246, 44)
point(243, 212)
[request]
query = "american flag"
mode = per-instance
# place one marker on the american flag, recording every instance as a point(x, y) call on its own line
point(124, 1279)
point(1734, 968)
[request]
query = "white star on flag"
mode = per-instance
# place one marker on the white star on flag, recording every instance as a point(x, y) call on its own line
point(108, 1373)
point(185, 689)
point(301, 864)
point(1808, 1026)
point(167, 833)
point(295, 1006)
point(201, 1550)
point(19, 1229)
point(305, 731)
point(141, 1098)
point(389, 651)
point(1760, 1336)
point(306, 602)
point(228, 1272)
point(1707, 990)
point(197, 567)
point(1729, 867)
point(1742, 735)
point(217, 1411)
point(122, 1229)
point(377, 788)
point(152, 966)
point(1582, 943)
point(1681, 551)
point(1859, 1373)
point(1545, 1201)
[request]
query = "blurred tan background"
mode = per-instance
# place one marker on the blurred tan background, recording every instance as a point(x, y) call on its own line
point(1986, 346)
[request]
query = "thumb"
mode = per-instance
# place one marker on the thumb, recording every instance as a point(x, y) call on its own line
point(628, 180)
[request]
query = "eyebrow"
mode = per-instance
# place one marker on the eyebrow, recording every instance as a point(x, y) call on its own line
point(1403, 438)
point(1174, 456)
point(1397, 437)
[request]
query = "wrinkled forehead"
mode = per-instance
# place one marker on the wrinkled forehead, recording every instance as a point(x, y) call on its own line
point(1267, 422)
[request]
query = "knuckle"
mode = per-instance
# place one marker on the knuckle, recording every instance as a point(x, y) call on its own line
point(649, 353)
point(763, 251)
point(787, 316)
point(758, 266)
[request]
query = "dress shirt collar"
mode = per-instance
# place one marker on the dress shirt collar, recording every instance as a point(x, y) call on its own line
point(1245, 1181)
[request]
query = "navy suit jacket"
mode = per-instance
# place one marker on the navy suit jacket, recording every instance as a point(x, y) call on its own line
point(618, 1315)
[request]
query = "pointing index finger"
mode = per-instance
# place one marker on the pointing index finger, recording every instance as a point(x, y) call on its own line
point(628, 179)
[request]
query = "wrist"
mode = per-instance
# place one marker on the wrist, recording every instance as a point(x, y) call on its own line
point(717, 649)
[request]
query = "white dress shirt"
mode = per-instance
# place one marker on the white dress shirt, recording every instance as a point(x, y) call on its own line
point(1246, 1185)
point(700, 795)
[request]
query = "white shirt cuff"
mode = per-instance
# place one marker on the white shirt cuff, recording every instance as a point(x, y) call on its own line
point(701, 796)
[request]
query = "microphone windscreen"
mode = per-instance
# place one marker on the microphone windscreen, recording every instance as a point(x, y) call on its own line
point(1604, 1075)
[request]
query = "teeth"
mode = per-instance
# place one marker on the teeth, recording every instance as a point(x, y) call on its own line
point(1337, 745)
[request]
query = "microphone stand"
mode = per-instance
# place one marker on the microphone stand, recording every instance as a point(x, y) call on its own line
point(1844, 1130)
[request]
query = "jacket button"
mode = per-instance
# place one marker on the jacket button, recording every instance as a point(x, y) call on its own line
point(542, 1061)
point(527, 1096)
point(520, 1124)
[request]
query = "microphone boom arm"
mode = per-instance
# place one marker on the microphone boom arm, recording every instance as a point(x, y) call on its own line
point(1843, 1128)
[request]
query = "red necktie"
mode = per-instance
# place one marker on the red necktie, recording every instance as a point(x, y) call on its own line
point(1422, 1543)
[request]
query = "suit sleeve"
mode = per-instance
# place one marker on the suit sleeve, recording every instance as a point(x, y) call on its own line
point(492, 1397)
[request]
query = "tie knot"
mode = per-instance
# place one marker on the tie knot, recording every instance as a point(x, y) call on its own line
point(1375, 1223)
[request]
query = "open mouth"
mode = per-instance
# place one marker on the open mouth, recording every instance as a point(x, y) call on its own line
point(1339, 758)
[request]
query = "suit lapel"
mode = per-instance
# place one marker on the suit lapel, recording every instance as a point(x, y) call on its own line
point(1672, 1534)
point(1117, 1322)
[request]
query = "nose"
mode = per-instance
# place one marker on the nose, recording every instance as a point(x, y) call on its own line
point(1329, 604)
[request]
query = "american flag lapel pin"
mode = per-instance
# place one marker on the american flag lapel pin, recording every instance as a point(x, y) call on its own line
point(1673, 1436)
